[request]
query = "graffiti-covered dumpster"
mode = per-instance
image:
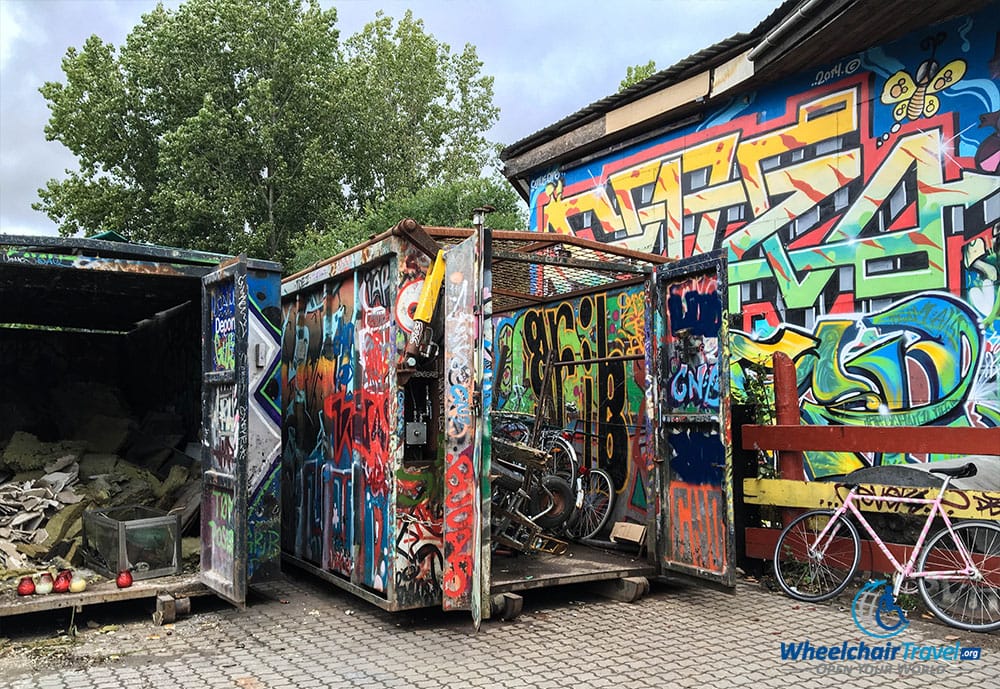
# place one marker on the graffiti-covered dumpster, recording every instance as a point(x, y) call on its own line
point(140, 375)
point(412, 362)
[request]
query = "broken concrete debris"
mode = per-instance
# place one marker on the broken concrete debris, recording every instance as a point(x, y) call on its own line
point(25, 507)
point(45, 487)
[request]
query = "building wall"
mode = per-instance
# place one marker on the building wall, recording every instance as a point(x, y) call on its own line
point(858, 205)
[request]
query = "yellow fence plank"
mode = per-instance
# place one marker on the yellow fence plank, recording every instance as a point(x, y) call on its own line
point(963, 504)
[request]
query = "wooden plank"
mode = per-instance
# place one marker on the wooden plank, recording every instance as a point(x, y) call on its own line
point(761, 543)
point(104, 592)
point(908, 439)
point(964, 504)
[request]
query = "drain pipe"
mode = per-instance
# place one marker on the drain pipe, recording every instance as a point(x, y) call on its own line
point(770, 40)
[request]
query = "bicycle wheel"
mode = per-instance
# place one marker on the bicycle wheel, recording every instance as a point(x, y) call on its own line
point(961, 601)
point(598, 501)
point(560, 460)
point(811, 574)
point(555, 499)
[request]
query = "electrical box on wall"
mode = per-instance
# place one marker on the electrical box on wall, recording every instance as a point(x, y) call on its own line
point(416, 433)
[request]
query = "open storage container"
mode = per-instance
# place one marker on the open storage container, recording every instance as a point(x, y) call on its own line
point(89, 324)
point(388, 429)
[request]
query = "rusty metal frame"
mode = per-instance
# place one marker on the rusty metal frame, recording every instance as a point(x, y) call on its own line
point(530, 268)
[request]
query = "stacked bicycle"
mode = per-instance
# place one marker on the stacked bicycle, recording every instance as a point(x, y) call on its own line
point(551, 432)
point(956, 571)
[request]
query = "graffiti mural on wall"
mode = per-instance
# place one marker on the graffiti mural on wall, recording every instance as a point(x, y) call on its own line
point(695, 407)
point(226, 422)
point(924, 359)
point(695, 313)
point(319, 352)
point(837, 200)
point(377, 405)
point(264, 451)
point(608, 395)
point(343, 425)
point(461, 483)
point(419, 557)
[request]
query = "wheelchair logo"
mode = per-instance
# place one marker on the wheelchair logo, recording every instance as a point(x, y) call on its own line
point(875, 611)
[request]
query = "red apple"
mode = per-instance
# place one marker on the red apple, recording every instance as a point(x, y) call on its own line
point(61, 584)
point(26, 587)
point(124, 579)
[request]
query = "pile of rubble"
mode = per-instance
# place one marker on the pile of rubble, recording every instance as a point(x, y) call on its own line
point(46, 487)
point(26, 511)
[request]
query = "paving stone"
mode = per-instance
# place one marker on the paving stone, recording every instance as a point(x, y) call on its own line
point(686, 636)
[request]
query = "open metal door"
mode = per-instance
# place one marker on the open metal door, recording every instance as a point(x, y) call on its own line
point(225, 420)
point(695, 469)
point(463, 370)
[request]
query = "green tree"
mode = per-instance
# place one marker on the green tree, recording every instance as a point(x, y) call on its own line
point(240, 125)
point(419, 111)
point(449, 204)
point(636, 73)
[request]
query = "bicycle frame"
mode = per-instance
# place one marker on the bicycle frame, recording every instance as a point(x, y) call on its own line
point(904, 570)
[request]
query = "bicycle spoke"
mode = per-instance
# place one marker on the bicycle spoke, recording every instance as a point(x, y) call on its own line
point(598, 501)
point(812, 571)
point(965, 602)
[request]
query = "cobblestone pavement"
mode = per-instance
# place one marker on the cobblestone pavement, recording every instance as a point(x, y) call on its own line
point(303, 633)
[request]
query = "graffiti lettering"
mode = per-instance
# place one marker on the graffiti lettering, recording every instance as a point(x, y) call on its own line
point(461, 482)
point(695, 387)
point(321, 352)
point(989, 504)
point(223, 309)
point(459, 517)
point(698, 531)
point(867, 494)
point(915, 362)
point(607, 396)
point(221, 535)
point(419, 539)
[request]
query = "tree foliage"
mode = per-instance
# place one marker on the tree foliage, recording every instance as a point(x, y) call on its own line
point(244, 125)
point(448, 204)
point(420, 111)
point(636, 73)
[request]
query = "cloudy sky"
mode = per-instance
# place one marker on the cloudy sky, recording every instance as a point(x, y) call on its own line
point(549, 59)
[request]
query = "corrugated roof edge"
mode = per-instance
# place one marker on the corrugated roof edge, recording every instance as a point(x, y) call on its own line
point(104, 248)
point(675, 73)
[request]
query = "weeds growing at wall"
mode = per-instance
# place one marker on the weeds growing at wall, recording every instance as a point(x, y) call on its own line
point(757, 393)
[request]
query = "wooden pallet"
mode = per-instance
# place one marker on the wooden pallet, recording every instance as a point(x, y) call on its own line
point(172, 596)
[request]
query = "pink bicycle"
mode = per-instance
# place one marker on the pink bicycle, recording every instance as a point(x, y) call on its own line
point(957, 572)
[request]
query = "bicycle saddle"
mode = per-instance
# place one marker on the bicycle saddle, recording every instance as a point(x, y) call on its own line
point(964, 471)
